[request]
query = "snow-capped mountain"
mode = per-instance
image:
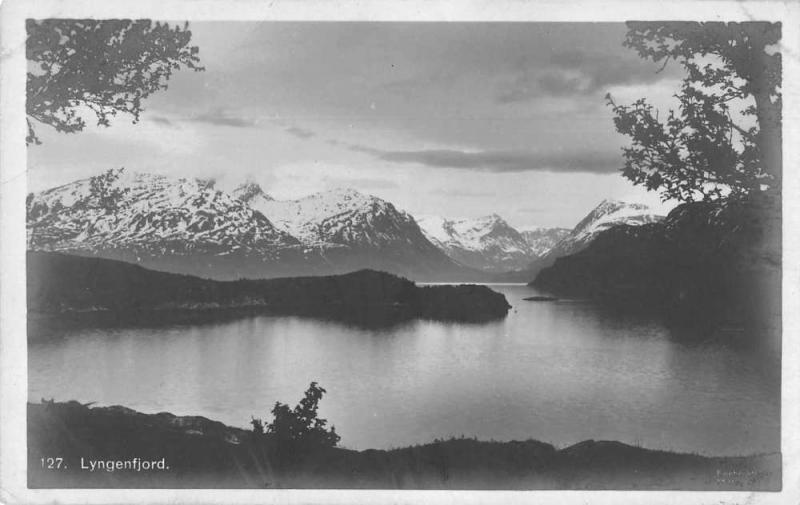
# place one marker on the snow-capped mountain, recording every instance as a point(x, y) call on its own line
point(607, 214)
point(487, 243)
point(251, 194)
point(512, 255)
point(343, 217)
point(188, 226)
point(353, 230)
point(541, 240)
point(143, 215)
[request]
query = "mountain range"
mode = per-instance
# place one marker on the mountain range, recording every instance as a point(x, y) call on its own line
point(488, 243)
point(190, 226)
point(152, 214)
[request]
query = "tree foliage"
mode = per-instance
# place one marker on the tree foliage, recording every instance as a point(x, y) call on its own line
point(101, 67)
point(300, 426)
point(724, 140)
point(103, 191)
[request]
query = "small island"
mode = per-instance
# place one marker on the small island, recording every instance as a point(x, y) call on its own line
point(108, 292)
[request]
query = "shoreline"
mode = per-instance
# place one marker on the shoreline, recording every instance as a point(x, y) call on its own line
point(244, 426)
point(199, 452)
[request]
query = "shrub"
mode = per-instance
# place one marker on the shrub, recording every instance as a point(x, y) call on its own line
point(300, 426)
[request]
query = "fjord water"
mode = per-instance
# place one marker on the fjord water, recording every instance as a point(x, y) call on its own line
point(560, 372)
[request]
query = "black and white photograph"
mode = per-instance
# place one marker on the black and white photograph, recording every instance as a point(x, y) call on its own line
point(371, 254)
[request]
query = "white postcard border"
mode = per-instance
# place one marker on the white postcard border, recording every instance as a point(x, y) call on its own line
point(13, 342)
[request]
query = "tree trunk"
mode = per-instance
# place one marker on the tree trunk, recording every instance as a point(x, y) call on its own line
point(770, 137)
point(764, 72)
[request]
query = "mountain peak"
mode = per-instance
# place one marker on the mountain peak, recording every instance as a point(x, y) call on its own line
point(608, 213)
point(492, 218)
point(206, 183)
point(344, 217)
point(611, 212)
point(345, 193)
point(249, 191)
point(487, 242)
point(613, 203)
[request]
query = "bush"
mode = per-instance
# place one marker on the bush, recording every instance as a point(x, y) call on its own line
point(300, 426)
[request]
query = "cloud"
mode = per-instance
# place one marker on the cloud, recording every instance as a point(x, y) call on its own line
point(222, 117)
point(503, 161)
point(160, 120)
point(580, 73)
point(532, 210)
point(297, 180)
point(462, 193)
point(367, 182)
point(300, 132)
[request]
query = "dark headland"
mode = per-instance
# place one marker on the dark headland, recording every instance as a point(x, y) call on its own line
point(201, 453)
point(710, 262)
point(100, 291)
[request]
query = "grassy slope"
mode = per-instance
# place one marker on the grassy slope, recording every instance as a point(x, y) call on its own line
point(207, 454)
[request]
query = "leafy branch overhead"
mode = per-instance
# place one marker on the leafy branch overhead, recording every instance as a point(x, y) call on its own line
point(101, 67)
point(724, 140)
point(102, 189)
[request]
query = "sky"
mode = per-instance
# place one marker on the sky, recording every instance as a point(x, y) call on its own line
point(458, 120)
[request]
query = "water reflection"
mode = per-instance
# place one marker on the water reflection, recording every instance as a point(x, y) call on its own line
point(558, 371)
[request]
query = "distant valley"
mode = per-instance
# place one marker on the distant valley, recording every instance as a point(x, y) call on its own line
point(489, 243)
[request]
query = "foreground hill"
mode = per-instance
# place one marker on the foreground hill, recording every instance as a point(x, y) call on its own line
point(705, 262)
point(114, 291)
point(201, 453)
